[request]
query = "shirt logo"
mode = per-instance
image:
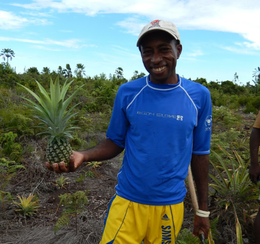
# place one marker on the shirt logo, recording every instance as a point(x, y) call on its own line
point(161, 115)
point(208, 122)
point(165, 217)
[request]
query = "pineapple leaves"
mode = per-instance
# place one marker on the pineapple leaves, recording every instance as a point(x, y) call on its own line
point(51, 108)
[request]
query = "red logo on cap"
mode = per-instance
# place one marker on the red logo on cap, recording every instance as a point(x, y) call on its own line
point(155, 23)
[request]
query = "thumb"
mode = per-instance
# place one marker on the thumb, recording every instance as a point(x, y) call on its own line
point(72, 165)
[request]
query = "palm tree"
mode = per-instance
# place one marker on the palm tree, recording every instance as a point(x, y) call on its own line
point(7, 53)
point(80, 70)
point(67, 72)
point(60, 71)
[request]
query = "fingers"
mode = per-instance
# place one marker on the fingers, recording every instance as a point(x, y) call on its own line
point(72, 166)
point(201, 226)
point(76, 160)
point(203, 233)
point(49, 166)
point(58, 167)
point(200, 233)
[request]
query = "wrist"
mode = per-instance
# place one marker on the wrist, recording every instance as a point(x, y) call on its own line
point(202, 213)
point(83, 156)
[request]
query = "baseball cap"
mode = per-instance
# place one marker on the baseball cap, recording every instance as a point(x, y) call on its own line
point(162, 25)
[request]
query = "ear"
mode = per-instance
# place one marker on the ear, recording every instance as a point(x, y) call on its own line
point(179, 50)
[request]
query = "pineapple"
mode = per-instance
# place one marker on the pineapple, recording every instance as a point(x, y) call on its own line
point(55, 119)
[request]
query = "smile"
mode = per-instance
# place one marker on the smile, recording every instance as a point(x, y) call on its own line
point(159, 69)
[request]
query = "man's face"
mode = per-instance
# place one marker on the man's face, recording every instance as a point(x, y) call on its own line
point(159, 54)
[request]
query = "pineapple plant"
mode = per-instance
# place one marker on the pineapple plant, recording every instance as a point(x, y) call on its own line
point(55, 118)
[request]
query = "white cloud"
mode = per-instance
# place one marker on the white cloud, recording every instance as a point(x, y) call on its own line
point(71, 43)
point(8, 20)
point(132, 25)
point(195, 53)
point(236, 16)
point(239, 50)
point(37, 14)
point(46, 48)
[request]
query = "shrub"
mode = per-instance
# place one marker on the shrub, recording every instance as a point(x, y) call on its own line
point(27, 205)
point(233, 190)
point(10, 149)
point(74, 204)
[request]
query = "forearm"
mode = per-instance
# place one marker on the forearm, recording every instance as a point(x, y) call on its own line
point(103, 151)
point(254, 146)
point(200, 170)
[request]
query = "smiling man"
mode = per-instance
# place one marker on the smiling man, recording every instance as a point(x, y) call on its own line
point(163, 122)
point(160, 51)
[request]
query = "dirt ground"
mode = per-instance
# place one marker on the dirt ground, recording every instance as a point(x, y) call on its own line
point(39, 229)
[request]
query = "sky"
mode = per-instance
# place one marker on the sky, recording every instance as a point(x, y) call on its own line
point(219, 37)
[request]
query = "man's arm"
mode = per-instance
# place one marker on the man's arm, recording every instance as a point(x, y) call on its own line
point(254, 170)
point(103, 151)
point(200, 170)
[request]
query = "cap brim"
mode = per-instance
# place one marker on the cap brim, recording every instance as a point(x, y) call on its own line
point(152, 30)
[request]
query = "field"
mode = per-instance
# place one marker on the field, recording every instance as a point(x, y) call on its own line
point(97, 180)
point(43, 218)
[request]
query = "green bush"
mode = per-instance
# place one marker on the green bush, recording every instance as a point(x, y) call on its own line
point(10, 148)
point(225, 118)
point(17, 120)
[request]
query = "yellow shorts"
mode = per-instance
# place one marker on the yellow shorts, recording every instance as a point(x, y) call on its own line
point(131, 223)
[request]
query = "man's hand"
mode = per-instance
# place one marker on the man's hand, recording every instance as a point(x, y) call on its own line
point(254, 172)
point(201, 224)
point(103, 151)
point(76, 159)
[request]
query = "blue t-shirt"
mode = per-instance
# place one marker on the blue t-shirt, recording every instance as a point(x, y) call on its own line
point(160, 126)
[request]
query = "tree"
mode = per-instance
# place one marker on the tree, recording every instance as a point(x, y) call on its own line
point(60, 71)
point(46, 71)
point(7, 53)
point(119, 73)
point(33, 70)
point(137, 75)
point(202, 81)
point(236, 78)
point(80, 70)
point(67, 72)
point(256, 78)
point(118, 77)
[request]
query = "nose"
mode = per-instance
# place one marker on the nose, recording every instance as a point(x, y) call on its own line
point(156, 58)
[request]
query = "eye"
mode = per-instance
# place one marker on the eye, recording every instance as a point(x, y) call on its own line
point(146, 52)
point(165, 49)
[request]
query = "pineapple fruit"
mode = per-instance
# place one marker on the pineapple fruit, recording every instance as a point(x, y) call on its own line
point(55, 119)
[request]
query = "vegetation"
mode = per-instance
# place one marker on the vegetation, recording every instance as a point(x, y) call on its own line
point(62, 181)
point(27, 205)
point(8, 170)
point(74, 204)
point(233, 199)
point(55, 119)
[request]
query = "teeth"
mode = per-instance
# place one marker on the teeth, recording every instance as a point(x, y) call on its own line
point(158, 69)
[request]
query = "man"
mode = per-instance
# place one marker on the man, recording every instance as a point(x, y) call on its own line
point(163, 122)
point(254, 170)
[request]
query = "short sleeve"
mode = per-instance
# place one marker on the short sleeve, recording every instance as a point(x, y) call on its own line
point(202, 132)
point(118, 123)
